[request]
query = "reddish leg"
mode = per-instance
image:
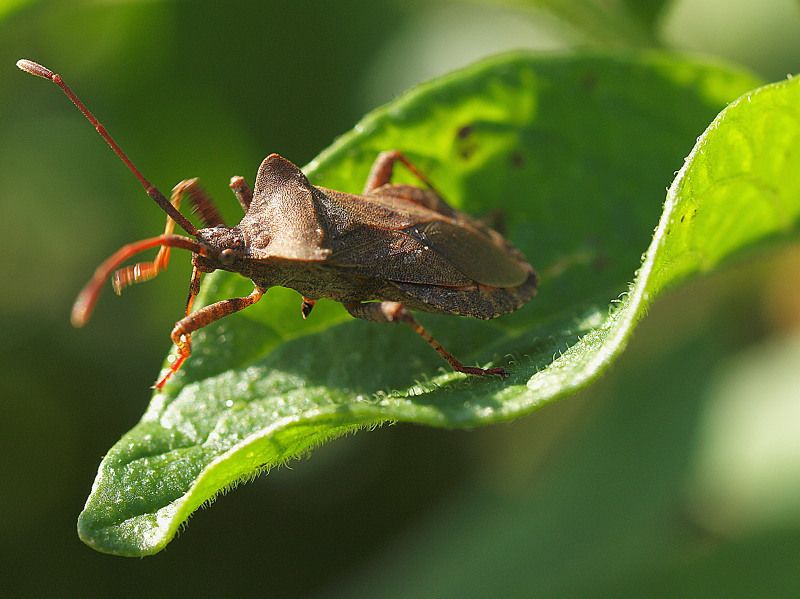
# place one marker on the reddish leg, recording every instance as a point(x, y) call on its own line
point(202, 205)
point(307, 305)
point(182, 333)
point(383, 167)
point(396, 312)
point(144, 271)
point(381, 174)
point(242, 192)
point(194, 289)
point(87, 298)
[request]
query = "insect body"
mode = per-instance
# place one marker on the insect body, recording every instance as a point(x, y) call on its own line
point(392, 249)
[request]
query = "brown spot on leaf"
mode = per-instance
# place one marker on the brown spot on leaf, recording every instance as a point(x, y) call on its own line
point(465, 142)
point(517, 159)
point(464, 132)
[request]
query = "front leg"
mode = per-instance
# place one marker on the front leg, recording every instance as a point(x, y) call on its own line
point(145, 271)
point(182, 333)
point(396, 312)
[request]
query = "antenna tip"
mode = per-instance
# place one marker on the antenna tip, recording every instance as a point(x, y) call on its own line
point(34, 68)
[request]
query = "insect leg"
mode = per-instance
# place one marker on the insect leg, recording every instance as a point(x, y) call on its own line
point(381, 174)
point(242, 192)
point(87, 298)
point(383, 168)
point(182, 332)
point(144, 271)
point(194, 289)
point(396, 312)
point(202, 205)
point(307, 305)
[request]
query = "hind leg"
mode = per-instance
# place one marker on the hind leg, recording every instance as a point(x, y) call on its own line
point(396, 312)
point(381, 174)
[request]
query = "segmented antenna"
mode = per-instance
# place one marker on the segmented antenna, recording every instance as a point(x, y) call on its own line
point(40, 71)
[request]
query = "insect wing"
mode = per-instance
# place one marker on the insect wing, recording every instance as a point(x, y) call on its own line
point(395, 240)
point(480, 257)
point(393, 255)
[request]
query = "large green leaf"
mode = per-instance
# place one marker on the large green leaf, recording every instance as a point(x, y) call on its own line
point(576, 152)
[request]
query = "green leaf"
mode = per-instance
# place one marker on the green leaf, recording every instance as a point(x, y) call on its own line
point(615, 23)
point(575, 152)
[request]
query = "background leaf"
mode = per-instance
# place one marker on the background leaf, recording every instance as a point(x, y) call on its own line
point(574, 151)
point(615, 23)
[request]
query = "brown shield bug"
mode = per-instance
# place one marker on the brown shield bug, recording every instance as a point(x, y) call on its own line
point(393, 248)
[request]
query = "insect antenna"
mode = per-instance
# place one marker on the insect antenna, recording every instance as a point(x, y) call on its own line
point(87, 298)
point(38, 70)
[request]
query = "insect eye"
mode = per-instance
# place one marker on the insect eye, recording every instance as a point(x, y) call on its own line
point(227, 256)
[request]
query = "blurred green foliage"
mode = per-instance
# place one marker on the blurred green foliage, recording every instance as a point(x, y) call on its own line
point(206, 89)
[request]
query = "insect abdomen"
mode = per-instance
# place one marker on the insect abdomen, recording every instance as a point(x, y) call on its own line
point(478, 301)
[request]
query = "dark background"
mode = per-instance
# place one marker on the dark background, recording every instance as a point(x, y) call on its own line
point(678, 474)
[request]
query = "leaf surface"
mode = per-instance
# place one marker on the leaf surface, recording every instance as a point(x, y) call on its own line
point(575, 152)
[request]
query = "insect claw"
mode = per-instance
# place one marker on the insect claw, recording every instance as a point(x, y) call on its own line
point(501, 372)
point(174, 367)
point(159, 384)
